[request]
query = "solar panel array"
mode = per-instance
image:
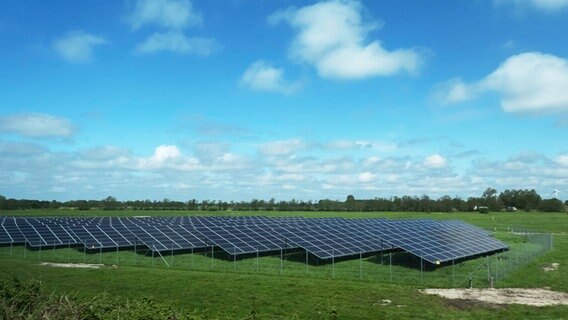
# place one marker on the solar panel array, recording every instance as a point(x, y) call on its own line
point(432, 240)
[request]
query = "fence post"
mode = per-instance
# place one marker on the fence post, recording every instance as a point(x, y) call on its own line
point(307, 262)
point(360, 265)
point(390, 265)
point(333, 263)
point(422, 270)
point(453, 274)
point(381, 252)
point(172, 253)
point(496, 268)
point(135, 253)
point(488, 269)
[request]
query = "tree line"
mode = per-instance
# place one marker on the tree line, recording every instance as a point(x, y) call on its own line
point(508, 200)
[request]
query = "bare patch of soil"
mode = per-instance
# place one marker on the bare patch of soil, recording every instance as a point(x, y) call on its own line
point(73, 265)
point(551, 267)
point(531, 297)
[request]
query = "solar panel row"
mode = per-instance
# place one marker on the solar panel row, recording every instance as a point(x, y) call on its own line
point(432, 240)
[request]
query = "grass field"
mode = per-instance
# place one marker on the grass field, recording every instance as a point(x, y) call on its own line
point(305, 294)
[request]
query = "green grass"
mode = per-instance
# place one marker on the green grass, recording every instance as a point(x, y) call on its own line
point(397, 267)
point(224, 292)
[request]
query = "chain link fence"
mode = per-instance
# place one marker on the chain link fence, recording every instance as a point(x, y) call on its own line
point(383, 267)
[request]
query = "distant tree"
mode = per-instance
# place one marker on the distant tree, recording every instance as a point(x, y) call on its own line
point(532, 199)
point(271, 204)
point(12, 204)
point(491, 200)
point(489, 193)
point(551, 205)
point(192, 204)
point(350, 203)
point(110, 203)
point(83, 205)
point(255, 205)
point(425, 205)
point(445, 204)
point(521, 199)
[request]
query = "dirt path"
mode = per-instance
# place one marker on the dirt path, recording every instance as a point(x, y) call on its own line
point(72, 265)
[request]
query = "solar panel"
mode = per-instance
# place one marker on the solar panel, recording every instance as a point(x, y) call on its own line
point(435, 241)
point(12, 232)
point(38, 234)
point(237, 240)
point(5, 236)
point(152, 237)
point(187, 238)
point(326, 241)
point(166, 237)
point(93, 237)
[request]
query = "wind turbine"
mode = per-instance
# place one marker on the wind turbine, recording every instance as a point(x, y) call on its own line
point(555, 193)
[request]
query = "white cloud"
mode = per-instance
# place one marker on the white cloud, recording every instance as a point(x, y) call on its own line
point(366, 177)
point(530, 82)
point(355, 62)
point(332, 36)
point(171, 14)
point(361, 145)
point(22, 149)
point(77, 46)
point(57, 189)
point(177, 42)
point(544, 5)
point(435, 161)
point(292, 177)
point(263, 77)
point(348, 144)
point(454, 91)
point(167, 172)
point(514, 165)
point(37, 125)
point(562, 160)
point(283, 147)
point(289, 187)
point(208, 151)
point(166, 152)
point(104, 153)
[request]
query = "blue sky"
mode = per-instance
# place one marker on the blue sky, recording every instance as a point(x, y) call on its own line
point(235, 100)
